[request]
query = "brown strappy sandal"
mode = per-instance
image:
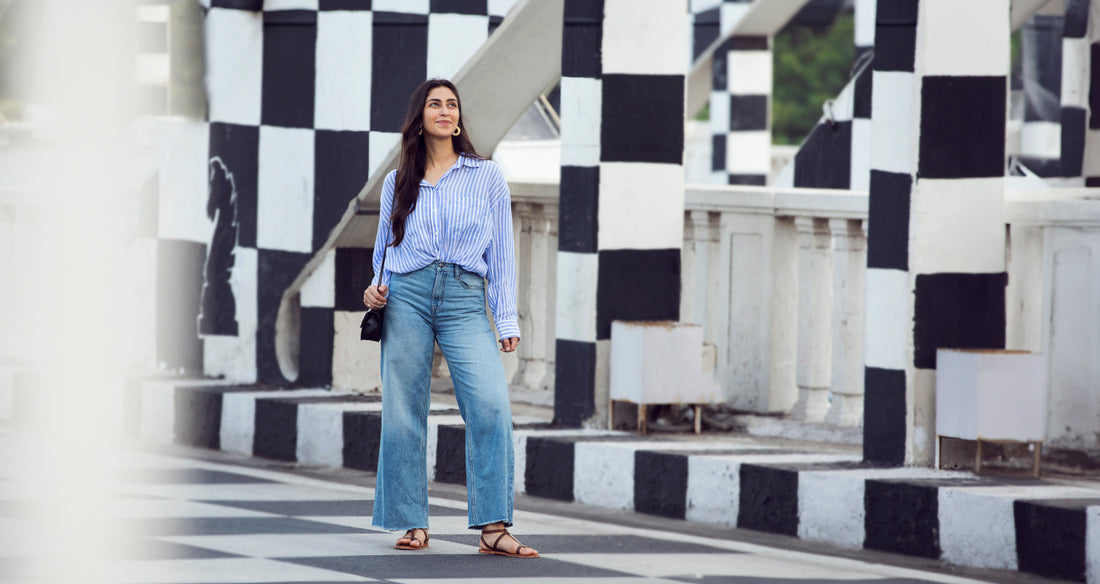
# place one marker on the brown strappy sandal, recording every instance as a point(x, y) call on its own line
point(411, 536)
point(491, 548)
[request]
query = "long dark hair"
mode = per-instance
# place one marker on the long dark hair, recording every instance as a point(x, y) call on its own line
point(414, 155)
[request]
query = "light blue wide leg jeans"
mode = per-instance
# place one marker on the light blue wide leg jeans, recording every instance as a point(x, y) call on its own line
point(444, 304)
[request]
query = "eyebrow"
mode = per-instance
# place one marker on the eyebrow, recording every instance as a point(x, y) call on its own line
point(452, 100)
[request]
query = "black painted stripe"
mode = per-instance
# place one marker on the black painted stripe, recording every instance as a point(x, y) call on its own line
point(362, 437)
point(1050, 536)
point(747, 179)
point(963, 311)
point(574, 382)
point(901, 517)
point(549, 469)
point(637, 284)
point(450, 455)
point(652, 128)
point(1073, 140)
point(768, 499)
point(824, 160)
point(888, 220)
point(660, 483)
point(578, 211)
point(884, 416)
point(962, 126)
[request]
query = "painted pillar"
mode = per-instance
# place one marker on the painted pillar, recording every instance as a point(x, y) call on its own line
point(1080, 140)
point(936, 260)
point(740, 103)
point(865, 27)
point(624, 64)
point(1041, 133)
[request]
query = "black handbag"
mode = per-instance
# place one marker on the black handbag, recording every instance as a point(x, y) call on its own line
point(371, 327)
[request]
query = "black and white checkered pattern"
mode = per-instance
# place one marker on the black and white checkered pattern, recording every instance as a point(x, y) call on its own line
point(622, 181)
point(936, 188)
point(1080, 144)
point(1040, 134)
point(305, 98)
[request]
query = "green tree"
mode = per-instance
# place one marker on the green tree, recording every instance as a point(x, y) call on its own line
point(810, 68)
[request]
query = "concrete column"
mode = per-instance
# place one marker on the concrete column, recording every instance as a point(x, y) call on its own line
point(846, 381)
point(936, 247)
point(1080, 136)
point(624, 64)
point(521, 216)
point(815, 307)
point(1041, 134)
point(533, 371)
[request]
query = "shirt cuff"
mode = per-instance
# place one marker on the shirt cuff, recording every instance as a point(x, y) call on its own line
point(508, 329)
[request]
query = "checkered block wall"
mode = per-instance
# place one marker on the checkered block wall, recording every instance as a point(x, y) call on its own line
point(305, 99)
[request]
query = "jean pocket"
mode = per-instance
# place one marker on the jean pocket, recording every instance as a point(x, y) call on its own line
point(471, 281)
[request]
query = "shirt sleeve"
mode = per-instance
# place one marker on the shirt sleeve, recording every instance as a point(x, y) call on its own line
point(385, 230)
point(500, 260)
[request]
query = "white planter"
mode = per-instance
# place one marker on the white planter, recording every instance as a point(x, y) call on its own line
point(991, 395)
point(660, 362)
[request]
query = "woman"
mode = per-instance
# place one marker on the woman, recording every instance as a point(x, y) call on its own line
point(446, 223)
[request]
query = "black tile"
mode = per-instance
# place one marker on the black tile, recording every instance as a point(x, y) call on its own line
point(179, 292)
point(902, 517)
point(228, 526)
point(768, 500)
point(705, 31)
point(1076, 22)
point(961, 311)
point(277, 269)
point(888, 220)
point(340, 169)
point(426, 565)
point(895, 47)
point(748, 43)
point(479, 7)
point(318, 333)
point(1094, 87)
point(637, 284)
point(290, 46)
point(884, 416)
point(1050, 537)
point(574, 382)
point(718, 152)
point(354, 272)
point(825, 159)
point(253, 5)
point(276, 429)
point(747, 179)
point(897, 12)
point(962, 132)
point(578, 219)
point(1073, 140)
point(362, 436)
point(582, 39)
point(749, 112)
point(549, 470)
point(660, 483)
point(642, 119)
point(400, 60)
point(861, 99)
point(344, 5)
point(238, 148)
point(450, 455)
point(719, 68)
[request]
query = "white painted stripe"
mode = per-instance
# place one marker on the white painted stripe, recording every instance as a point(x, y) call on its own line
point(831, 508)
point(892, 99)
point(319, 290)
point(412, 6)
point(234, 357)
point(713, 490)
point(284, 208)
point(320, 435)
point(343, 93)
point(889, 323)
point(1091, 166)
point(1092, 544)
point(1076, 59)
point(964, 38)
point(381, 144)
point(948, 215)
point(719, 112)
point(581, 99)
point(603, 475)
point(865, 22)
point(1041, 139)
point(641, 206)
point(181, 214)
point(575, 317)
point(646, 37)
point(290, 5)
point(749, 152)
point(519, 445)
point(234, 78)
point(500, 7)
point(749, 72)
point(452, 41)
point(977, 530)
point(860, 165)
point(239, 416)
point(731, 14)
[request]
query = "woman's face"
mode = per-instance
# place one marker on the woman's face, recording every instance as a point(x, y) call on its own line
point(440, 112)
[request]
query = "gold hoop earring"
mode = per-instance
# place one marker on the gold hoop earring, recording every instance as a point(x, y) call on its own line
point(420, 132)
point(457, 131)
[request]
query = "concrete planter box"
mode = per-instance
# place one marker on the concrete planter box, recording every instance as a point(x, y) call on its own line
point(991, 396)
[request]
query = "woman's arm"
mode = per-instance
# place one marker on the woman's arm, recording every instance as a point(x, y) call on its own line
point(500, 259)
point(385, 230)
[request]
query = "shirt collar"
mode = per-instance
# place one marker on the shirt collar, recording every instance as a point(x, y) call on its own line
point(470, 161)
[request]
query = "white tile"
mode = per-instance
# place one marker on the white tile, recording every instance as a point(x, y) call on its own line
point(413, 6)
point(749, 72)
point(234, 357)
point(641, 206)
point(183, 173)
point(500, 7)
point(860, 169)
point(575, 318)
point(977, 530)
point(888, 319)
point(749, 152)
point(225, 571)
point(284, 210)
point(236, 492)
point(604, 475)
point(343, 94)
point(1075, 72)
point(1041, 139)
point(581, 103)
point(719, 112)
point(964, 38)
point(713, 490)
point(319, 289)
point(1092, 544)
point(290, 5)
point(645, 37)
point(831, 508)
point(452, 41)
point(950, 215)
point(381, 145)
point(731, 14)
point(120, 507)
point(234, 79)
point(865, 22)
point(320, 435)
point(238, 424)
point(892, 99)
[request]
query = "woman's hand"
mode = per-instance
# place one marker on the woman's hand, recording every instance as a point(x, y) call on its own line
point(509, 345)
point(375, 296)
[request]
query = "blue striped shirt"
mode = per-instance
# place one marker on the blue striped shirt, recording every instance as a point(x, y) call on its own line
point(465, 219)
